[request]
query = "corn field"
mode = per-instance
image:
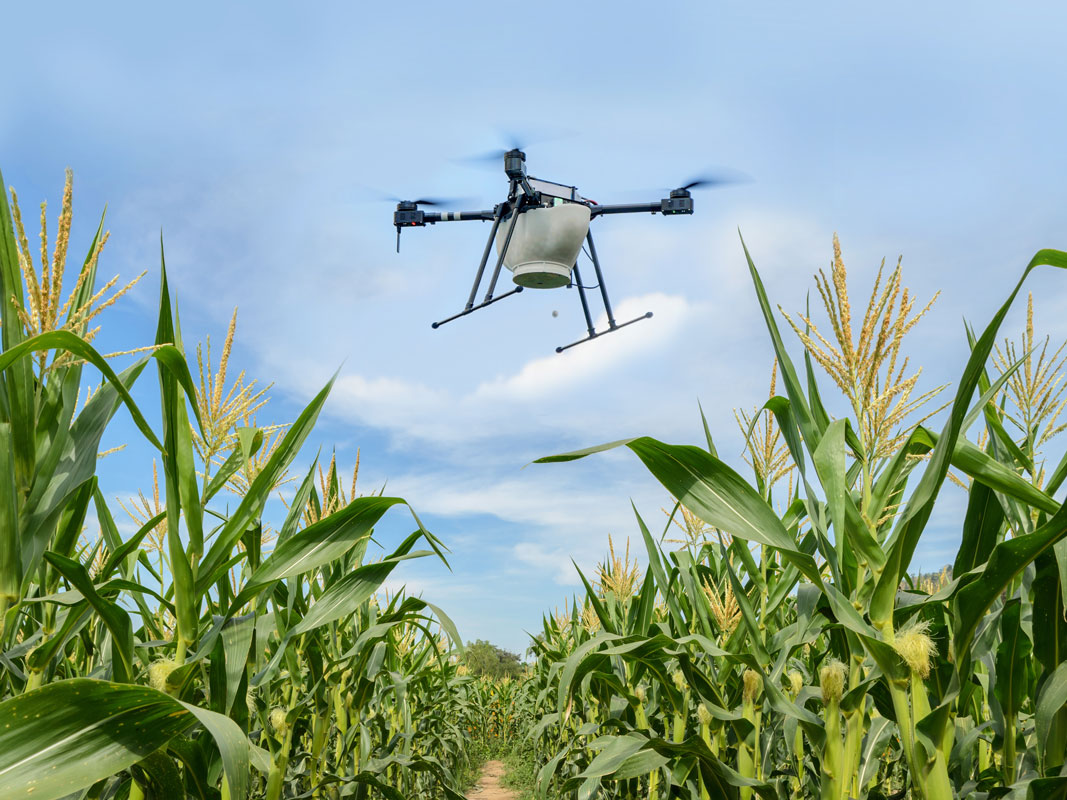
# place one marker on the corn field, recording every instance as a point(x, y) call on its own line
point(780, 648)
point(778, 643)
point(204, 656)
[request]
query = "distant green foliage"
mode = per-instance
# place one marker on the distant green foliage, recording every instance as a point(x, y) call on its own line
point(485, 659)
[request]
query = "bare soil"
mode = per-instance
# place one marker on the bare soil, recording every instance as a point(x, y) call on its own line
point(488, 787)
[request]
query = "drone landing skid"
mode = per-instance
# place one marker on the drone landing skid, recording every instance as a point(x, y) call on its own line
point(597, 334)
point(489, 299)
point(577, 281)
point(472, 309)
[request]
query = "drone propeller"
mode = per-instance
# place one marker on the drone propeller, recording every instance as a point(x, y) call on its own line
point(710, 179)
point(513, 143)
point(433, 201)
point(369, 194)
point(488, 157)
point(437, 202)
point(494, 156)
point(706, 180)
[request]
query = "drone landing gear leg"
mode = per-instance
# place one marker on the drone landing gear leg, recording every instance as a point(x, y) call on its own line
point(585, 306)
point(489, 299)
point(500, 259)
point(612, 324)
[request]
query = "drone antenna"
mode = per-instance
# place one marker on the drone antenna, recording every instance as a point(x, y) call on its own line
point(398, 238)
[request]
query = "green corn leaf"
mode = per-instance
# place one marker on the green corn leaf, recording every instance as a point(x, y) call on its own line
point(180, 476)
point(711, 490)
point(598, 605)
point(639, 764)
point(67, 735)
point(232, 745)
point(616, 750)
point(70, 343)
point(85, 291)
point(748, 616)
point(324, 541)
point(849, 527)
point(17, 383)
point(818, 411)
point(905, 537)
point(1049, 720)
point(68, 466)
point(159, 772)
point(114, 617)
point(236, 641)
point(783, 415)
point(343, 597)
point(10, 546)
point(252, 503)
point(574, 660)
point(722, 781)
point(992, 473)
point(1058, 475)
point(810, 428)
point(1039, 789)
point(1013, 657)
point(874, 744)
point(124, 549)
point(70, 623)
point(981, 525)
point(1048, 614)
point(1008, 559)
point(72, 519)
point(298, 504)
point(707, 432)
point(449, 627)
point(219, 480)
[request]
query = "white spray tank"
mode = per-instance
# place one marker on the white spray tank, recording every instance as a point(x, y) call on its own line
point(545, 244)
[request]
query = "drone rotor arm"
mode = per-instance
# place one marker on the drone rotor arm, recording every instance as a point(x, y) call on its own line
point(680, 202)
point(432, 217)
point(626, 208)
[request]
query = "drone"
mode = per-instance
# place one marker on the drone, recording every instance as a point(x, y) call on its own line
point(538, 232)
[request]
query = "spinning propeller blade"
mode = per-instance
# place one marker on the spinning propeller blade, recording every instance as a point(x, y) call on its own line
point(370, 194)
point(435, 201)
point(716, 178)
point(513, 142)
point(438, 202)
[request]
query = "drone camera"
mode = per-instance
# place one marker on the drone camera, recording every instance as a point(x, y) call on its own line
point(680, 202)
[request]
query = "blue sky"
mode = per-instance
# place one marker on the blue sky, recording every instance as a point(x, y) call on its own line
point(255, 136)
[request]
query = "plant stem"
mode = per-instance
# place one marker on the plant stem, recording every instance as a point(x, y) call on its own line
point(832, 754)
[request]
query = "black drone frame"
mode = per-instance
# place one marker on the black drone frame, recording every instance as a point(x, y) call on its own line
point(522, 197)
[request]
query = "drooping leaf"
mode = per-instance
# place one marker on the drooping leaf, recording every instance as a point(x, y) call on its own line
point(113, 616)
point(69, 734)
point(916, 513)
point(712, 491)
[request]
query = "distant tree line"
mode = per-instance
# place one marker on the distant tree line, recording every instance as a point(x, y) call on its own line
point(485, 658)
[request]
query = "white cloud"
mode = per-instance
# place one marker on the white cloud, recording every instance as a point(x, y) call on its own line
point(541, 393)
point(556, 562)
point(548, 377)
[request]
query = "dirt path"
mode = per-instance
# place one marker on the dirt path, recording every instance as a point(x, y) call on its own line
point(489, 787)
